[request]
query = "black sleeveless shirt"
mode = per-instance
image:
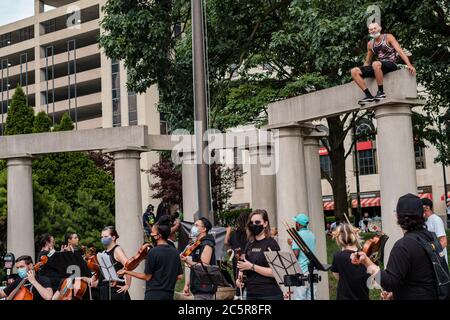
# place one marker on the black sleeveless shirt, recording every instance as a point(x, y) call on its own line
point(117, 264)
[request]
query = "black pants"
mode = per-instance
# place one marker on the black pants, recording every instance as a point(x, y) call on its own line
point(158, 295)
point(104, 294)
point(386, 67)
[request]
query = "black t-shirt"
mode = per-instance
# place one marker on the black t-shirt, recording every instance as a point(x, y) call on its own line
point(409, 273)
point(164, 264)
point(352, 284)
point(195, 285)
point(259, 285)
point(43, 281)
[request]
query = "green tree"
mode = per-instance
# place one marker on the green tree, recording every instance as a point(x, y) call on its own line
point(20, 115)
point(65, 124)
point(42, 123)
point(303, 46)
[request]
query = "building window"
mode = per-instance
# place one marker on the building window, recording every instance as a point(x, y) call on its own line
point(5, 39)
point(26, 33)
point(238, 169)
point(49, 26)
point(163, 124)
point(419, 153)
point(132, 109)
point(325, 167)
point(116, 93)
point(367, 162)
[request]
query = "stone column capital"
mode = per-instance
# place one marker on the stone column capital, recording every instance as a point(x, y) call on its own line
point(19, 160)
point(389, 110)
point(126, 152)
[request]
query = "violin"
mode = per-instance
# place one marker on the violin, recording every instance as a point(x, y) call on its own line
point(92, 262)
point(134, 261)
point(22, 293)
point(72, 289)
point(374, 247)
point(191, 248)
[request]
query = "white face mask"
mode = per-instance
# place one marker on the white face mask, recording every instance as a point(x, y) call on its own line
point(375, 35)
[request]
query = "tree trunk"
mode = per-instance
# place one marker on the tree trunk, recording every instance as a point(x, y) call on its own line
point(337, 157)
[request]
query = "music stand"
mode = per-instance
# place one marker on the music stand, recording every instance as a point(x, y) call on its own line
point(283, 264)
point(107, 269)
point(208, 274)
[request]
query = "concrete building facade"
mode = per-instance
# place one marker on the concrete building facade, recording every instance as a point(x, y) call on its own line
point(54, 55)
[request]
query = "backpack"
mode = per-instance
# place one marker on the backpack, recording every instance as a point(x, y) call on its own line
point(440, 267)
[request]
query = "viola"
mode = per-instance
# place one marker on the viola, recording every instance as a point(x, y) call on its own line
point(134, 261)
point(374, 247)
point(92, 262)
point(191, 248)
point(72, 289)
point(22, 293)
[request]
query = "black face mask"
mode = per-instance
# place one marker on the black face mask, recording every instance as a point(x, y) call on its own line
point(255, 229)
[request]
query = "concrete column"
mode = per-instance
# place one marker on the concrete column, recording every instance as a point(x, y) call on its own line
point(189, 178)
point(316, 216)
point(129, 209)
point(263, 183)
point(396, 163)
point(292, 197)
point(20, 225)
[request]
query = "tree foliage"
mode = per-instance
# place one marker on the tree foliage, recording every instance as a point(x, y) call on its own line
point(70, 191)
point(303, 45)
point(20, 115)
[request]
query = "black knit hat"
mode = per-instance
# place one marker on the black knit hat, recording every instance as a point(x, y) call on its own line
point(409, 205)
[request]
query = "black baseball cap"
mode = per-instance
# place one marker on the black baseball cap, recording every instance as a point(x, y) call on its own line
point(410, 205)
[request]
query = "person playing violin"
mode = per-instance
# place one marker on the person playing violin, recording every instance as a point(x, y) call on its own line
point(39, 286)
point(352, 279)
point(162, 267)
point(72, 242)
point(47, 245)
point(409, 274)
point(118, 258)
point(205, 254)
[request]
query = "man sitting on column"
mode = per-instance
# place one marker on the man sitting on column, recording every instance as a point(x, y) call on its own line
point(386, 49)
point(301, 224)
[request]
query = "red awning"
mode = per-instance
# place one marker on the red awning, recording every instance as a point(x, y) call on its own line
point(328, 205)
point(426, 195)
point(448, 196)
point(367, 202)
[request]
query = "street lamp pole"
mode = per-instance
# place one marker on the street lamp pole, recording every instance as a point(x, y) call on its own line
point(201, 109)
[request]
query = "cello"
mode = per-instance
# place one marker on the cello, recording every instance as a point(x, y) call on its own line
point(22, 293)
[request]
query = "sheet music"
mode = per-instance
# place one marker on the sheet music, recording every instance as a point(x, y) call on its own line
point(107, 268)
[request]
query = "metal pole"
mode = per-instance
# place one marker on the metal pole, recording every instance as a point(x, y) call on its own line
point(358, 189)
point(201, 108)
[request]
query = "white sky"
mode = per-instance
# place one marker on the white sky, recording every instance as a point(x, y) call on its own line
point(13, 10)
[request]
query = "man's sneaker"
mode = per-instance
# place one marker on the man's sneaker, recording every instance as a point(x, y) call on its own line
point(366, 99)
point(380, 95)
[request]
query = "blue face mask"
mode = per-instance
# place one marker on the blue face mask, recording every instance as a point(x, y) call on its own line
point(106, 241)
point(22, 272)
point(195, 232)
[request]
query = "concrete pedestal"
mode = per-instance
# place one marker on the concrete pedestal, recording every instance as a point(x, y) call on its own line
point(189, 177)
point(292, 197)
point(397, 165)
point(129, 209)
point(263, 185)
point(20, 226)
point(316, 215)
